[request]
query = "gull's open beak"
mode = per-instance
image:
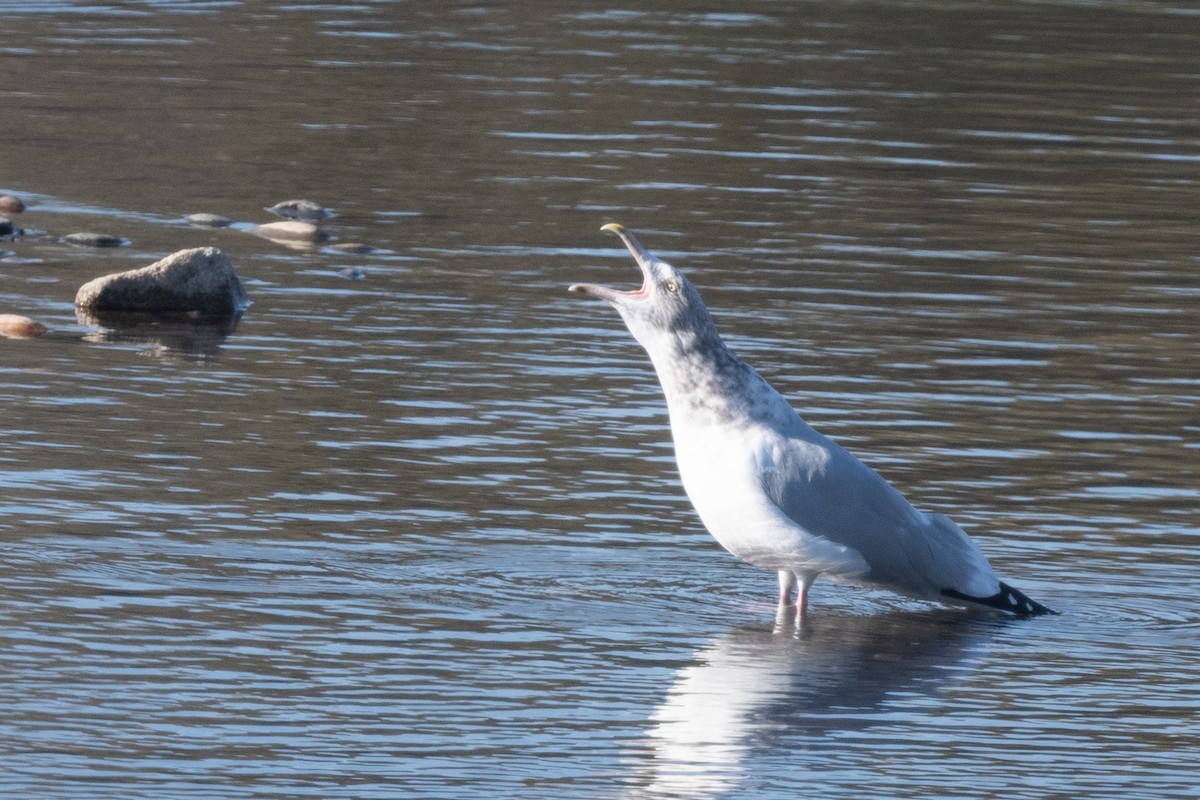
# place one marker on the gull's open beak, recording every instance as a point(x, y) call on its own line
point(640, 253)
point(612, 295)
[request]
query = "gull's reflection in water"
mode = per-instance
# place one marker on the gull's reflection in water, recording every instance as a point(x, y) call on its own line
point(757, 688)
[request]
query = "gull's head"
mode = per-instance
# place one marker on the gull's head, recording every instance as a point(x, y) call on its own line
point(666, 305)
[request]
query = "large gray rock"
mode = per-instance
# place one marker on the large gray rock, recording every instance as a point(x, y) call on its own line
point(199, 280)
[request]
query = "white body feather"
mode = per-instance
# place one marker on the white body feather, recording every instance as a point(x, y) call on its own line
point(779, 495)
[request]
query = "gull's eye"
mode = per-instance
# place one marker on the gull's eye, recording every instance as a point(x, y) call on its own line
point(672, 286)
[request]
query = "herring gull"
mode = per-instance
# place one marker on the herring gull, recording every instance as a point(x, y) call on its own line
point(770, 489)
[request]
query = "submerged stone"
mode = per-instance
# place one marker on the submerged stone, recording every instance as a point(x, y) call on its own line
point(199, 280)
point(15, 326)
point(290, 232)
point(208, 220)
point(357, 248)
point(86, 239)
point(300, 209)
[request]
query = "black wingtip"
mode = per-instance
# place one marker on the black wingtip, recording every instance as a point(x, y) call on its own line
point(1007, 599)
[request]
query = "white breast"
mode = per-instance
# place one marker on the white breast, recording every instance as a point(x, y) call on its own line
point(722, 468)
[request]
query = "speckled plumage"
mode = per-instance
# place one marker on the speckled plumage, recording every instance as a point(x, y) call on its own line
point(772, 490)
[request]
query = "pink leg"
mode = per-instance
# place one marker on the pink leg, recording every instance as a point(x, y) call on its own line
point(787, 580)
point(804, 582)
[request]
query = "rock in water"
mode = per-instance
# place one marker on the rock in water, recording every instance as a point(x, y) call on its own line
point(11, 205)
point(88, 239)
point(197, 280)
point(14, 326)
point(208, 220)
point(300, 209)
point(290, 232)
point(357, 248)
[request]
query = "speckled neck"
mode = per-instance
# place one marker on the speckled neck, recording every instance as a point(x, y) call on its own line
point(706, 383)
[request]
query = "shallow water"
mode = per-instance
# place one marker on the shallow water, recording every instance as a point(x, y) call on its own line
point(420, 534)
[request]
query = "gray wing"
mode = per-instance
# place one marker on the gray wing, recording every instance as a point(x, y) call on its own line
point(830, 493)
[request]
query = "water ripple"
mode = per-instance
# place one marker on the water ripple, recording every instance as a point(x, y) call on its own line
point(421, 534)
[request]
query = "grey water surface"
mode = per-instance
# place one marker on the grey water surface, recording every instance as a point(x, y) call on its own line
point(411, 527)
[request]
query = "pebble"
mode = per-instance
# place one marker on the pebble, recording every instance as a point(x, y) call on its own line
point(300, 209)
point(10, 204)
point(14, 326)
point(208, 220)
point(351, 274)
point(290, 232)
point(93, 240)
point(357, 248)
